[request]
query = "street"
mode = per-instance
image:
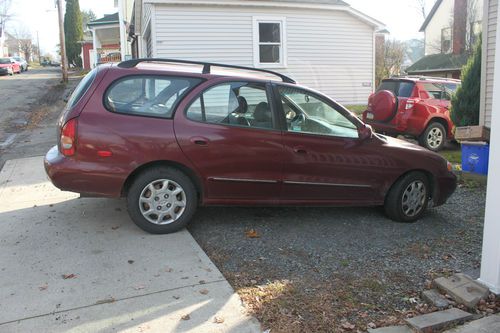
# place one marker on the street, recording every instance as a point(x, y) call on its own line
point(28, 100)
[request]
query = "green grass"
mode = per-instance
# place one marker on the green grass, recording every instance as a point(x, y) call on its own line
point(453, 156)
point(357, 109)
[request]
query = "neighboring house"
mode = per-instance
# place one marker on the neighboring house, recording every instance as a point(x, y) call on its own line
point(109, 36)
point(488, 61)
point(325, 44)
point(12, 46)
point(451, 29)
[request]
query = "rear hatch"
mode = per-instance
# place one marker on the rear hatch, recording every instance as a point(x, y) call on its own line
point(391, 95)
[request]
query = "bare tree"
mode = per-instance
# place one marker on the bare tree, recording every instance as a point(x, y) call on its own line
point(420, 7)
point(390, 63)
point(25, 41)
point(4, 14)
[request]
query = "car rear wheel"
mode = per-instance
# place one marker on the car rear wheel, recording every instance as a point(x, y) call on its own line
point(161, 200)
point(407, 199)
point(434, 137)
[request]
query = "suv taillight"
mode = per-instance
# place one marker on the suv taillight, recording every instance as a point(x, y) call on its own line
point(67, 142)
point(410, 103)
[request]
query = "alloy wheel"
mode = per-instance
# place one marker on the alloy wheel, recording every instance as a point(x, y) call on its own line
point(435, 137)
point(162, 201)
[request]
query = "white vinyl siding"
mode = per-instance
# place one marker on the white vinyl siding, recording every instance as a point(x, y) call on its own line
point(489, 38)
point(329, 50)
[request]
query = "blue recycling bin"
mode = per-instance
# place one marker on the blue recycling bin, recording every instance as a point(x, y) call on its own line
point(475, 157)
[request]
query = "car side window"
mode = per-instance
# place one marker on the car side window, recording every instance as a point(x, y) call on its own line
point(235, 103)
point(307, 113)
point(147, 95)
point(432, 91)
point(449, 90)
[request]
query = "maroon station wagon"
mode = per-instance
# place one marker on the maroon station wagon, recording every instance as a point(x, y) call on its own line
point(171, 135)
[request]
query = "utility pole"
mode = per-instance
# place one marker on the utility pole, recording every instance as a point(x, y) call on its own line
point(64, 60)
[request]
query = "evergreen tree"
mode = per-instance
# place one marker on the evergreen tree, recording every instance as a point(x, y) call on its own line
point(465, 103)
point(73, 32)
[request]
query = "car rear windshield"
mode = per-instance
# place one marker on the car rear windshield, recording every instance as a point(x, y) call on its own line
point(4, 61)
point(81, 89)
point(398, 88)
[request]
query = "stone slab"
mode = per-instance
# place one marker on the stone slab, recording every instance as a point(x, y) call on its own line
point(490, 324)
point(433, 297)
point(391, 329)
point(81, 265)
point(463, 289)
point(436, 321)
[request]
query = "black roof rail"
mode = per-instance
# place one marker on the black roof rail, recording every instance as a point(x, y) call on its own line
point(206, 66)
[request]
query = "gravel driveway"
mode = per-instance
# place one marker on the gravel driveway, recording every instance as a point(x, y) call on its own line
point(326, 269)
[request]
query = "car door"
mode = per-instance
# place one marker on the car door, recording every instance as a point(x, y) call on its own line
point(325, 159)
point(229, 132)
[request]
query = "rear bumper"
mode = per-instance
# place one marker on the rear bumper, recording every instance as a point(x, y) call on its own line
point(88, 179)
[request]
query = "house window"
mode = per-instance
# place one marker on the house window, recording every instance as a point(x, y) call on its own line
point(269, 42)
point(446, 40)
point(475, 32)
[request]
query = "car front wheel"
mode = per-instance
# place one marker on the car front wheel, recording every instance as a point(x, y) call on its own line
point(161, 200)
point(408, 197)
point(434, 137)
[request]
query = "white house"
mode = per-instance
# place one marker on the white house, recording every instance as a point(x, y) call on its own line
point(324, 44)
point(451, 29)
point(490, 116)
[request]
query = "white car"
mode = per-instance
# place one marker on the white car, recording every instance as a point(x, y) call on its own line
point(22, 63)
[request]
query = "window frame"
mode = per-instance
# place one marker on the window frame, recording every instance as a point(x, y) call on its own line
point(142, 75)
point(325, 99)
point(281, 20)
point(450, 48)
point(270, 97)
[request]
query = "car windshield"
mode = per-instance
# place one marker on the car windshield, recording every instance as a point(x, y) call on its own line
point(4, 61)
point(398, 88)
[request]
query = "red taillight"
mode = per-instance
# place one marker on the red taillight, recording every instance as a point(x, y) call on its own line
point(410, 103)
point(68, 138)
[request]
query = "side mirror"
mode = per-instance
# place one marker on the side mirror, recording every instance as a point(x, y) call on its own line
point(365, 132)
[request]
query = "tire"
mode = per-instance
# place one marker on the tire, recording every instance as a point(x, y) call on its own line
point(165, 181)
point(434, 137)
point(403, 206)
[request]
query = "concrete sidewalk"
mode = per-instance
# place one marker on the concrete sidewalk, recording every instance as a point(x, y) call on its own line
point(80, 265)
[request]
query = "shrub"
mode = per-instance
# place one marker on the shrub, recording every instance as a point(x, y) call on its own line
point(465, 103)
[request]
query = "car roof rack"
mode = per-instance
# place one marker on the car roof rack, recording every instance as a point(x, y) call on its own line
point(424, 77)
point(206, 66)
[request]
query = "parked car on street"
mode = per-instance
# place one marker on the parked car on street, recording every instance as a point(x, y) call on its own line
point(9, 66)
point(170, 135)
point(414, 106)
point(22, 62)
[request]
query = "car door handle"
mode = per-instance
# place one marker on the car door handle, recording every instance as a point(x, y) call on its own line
point(300, 150)
point(200, 141)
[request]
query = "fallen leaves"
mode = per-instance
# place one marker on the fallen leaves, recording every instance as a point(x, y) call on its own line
point(130, 262)
point(348, 326)
point(252, 233)
point(218, 320)
point(43, 287)
point(68, 276)
point(139, 287)
point(106, 300)
point(186, 317)
point(204, 291)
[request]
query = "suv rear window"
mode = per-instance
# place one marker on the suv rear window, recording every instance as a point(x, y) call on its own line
point(398, 88)
point(147, 95)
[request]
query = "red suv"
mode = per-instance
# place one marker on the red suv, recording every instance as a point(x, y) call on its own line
point(413, 106)
point(171, 135)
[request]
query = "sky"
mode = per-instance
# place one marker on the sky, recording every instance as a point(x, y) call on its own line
point(401, 17)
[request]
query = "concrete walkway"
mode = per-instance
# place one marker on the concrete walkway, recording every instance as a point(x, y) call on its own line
point(80, 265)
